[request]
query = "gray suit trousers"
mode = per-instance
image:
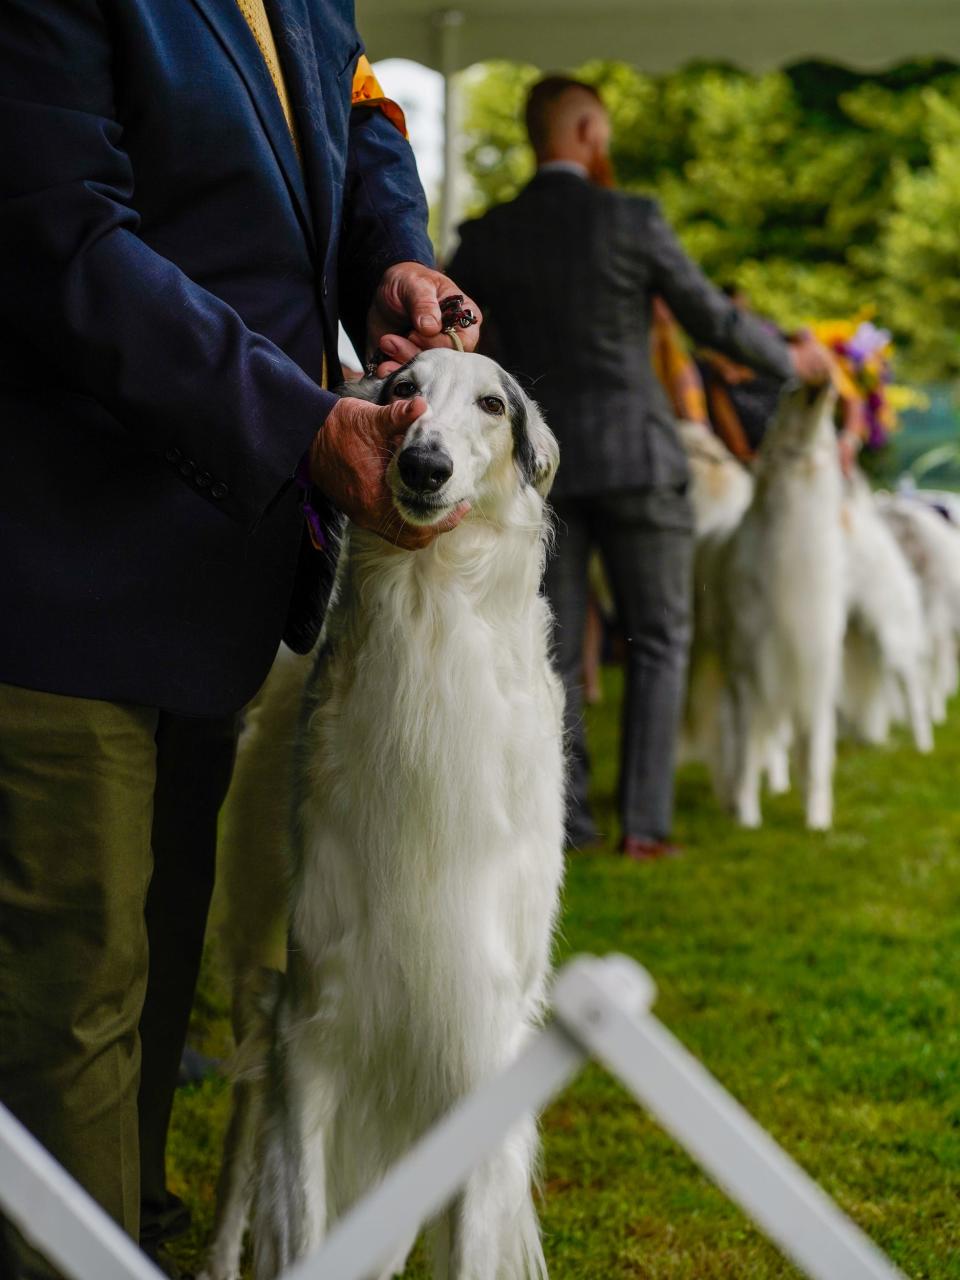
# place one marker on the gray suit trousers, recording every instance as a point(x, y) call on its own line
point(645, 539)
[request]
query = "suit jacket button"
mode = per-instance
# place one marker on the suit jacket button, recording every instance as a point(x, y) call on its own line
point(173, 455)
point(188, 469)
point(219, 490)
point(202, 479)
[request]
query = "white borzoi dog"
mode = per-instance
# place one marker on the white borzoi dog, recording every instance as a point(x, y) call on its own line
point(778, 612)
point(885, 656)
point(932, 546)
point(427, 846)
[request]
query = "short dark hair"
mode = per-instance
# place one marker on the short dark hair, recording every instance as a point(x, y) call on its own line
point(542, 98)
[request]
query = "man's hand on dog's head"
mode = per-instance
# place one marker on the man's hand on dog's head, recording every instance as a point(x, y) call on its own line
point(812, 362)
point(348, 462)
point(405, 316)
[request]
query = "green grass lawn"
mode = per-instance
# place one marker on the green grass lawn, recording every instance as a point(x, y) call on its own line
point(817, 976)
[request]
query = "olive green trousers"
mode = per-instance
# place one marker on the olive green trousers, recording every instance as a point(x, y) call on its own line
point(108, 819)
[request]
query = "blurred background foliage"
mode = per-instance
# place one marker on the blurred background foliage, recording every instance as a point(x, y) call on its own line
point(818, 190)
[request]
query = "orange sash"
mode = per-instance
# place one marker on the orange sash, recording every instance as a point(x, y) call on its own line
point(368, 93)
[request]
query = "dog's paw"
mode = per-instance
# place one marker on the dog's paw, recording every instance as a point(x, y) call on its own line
point(923, 740)
point(747, 814)
point(819, 820)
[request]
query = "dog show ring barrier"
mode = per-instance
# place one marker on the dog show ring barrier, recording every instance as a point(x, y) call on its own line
point(602, 1010)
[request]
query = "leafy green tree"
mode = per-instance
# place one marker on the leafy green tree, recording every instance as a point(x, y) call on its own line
point(920, 248)
point(498, 158)
point(806, 187)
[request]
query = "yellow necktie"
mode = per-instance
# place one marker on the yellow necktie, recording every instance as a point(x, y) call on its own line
point(259, 24)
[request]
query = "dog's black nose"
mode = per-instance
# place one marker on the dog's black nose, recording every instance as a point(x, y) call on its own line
point(424, 468)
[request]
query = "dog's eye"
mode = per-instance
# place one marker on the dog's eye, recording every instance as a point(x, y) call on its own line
point(405, 389)
point(492, 404)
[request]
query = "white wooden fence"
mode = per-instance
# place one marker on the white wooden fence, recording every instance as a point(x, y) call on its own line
point(602, 1009)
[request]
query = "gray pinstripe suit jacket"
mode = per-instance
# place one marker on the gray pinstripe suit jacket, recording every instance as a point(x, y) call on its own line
point(566, 272)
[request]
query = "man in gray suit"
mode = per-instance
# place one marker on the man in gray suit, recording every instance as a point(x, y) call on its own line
point(567, 272)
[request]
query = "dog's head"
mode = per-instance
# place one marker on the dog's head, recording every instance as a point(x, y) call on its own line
point(803, 419)
point(480, 440)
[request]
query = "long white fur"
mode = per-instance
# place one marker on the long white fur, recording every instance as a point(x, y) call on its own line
point(249, 913)
point(885, 666)
point(774, 616)
point(427, 858)
point(932, 546)
point(720, 485)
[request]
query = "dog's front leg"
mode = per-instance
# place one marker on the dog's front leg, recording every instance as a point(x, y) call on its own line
point(820, 750)
point(917, 710)
point(234, 1185)
point(750, 752)
point(777, 761)
point(290, 1198)
point(724, 751)
point(492, 1229)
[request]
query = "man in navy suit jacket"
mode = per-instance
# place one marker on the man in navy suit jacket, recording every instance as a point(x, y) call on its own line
point(186, 213)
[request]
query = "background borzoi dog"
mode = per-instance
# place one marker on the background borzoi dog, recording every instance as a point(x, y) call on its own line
point(932, 547)
point(428, 845)
point(885, 659)
point(774, 620)
point(720, 486)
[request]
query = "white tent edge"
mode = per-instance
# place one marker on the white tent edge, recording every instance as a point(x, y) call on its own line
point(656, 36)
point(660, 35)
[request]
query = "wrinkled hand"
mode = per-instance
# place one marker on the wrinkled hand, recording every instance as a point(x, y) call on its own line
point(348, 462)
point(405, 315)
point(812, 362)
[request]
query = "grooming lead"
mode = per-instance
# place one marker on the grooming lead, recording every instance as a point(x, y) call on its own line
point(453, 316)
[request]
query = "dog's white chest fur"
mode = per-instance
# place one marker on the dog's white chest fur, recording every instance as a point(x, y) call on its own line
point(431, 824)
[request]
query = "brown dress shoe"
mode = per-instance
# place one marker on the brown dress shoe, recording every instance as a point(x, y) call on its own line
point(639, 849)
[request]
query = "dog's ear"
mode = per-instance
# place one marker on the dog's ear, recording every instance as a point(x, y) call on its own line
point(546, 449)
point(362, 389)
point(535, 449)
point(376, 390)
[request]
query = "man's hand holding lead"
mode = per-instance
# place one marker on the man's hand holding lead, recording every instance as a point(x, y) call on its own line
point(405, 316)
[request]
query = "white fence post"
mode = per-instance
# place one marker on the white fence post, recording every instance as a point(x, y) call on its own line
point(58, 1217)
point(418, 1186)
point(602, 1009)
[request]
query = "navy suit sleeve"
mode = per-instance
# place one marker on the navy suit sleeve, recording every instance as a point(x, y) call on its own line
point(703, 309)
point(384, 215)
point(175, 364)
